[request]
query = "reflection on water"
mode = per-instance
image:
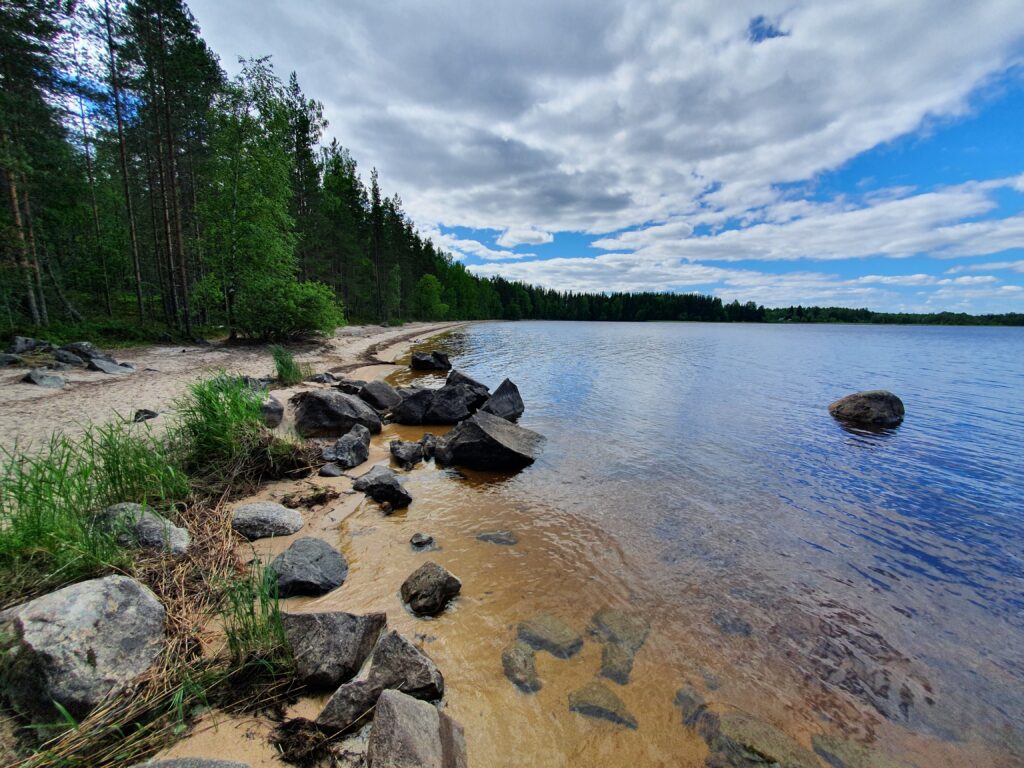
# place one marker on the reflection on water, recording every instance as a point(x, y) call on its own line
point(866, 586)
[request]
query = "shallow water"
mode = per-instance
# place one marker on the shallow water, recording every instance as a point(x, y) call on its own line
point(827, 581)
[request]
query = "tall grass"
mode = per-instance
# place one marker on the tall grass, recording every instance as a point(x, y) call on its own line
point(289, 372)
point(251, 616)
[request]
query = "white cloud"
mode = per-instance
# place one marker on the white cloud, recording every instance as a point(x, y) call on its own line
point(514, 236)
point(465, 246)
point(991, 266)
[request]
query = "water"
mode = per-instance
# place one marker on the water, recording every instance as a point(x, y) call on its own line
point(863, 586)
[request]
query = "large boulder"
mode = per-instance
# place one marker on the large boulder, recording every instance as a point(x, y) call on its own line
point(330, 648)
point(78, 644)
point(139, 526)
point(383, 486)
point(86, 350)
point(41, 378)
point(273, 411)
point(23, 344)
point(7, 359)
point(599, 701)
point(329, 413)
point(262, 519)
point(874, 408)
point(506, 402)
point(414, 406)
point(409, 733)
point(396, 664)
point(451, 404)
point(480, 391)
point(310, 566)
point(68, 358)
point(380, 395)
point(429, 589)
point(351, 449)
point(485, 441)
point(430, 361)
point(407, 454)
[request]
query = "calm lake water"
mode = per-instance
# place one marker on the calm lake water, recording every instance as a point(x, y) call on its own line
point(868, 587)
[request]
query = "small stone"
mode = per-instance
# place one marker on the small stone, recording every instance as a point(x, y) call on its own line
point(597, 700)
point(406, 454)
point(429, 589)
point(429, 444)
point(545, 632)
point(382, 485)
point(623, 635)
point(323, 378)
point(144, 414)
point(331, 470)
point(502, 538)
point(262, 519)
point(422, 542)
point(138, 526)
point(40, 378)
point(691, 705)
point(273, 411)
point(109, 366)
point(519, 663)
point(310, 566)
point(351, 449)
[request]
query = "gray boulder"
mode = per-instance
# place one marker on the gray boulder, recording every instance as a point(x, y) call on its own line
point(86, 350)
point(874, 408)
point(273, 411)
point(351, 449)
point(350, 386)
point(430, 361)
point(519, 663)
point(22, 344)
point(623, 634)
point(310, 566)
point(382, 485)
point(331, 470)
point(451, 404)
point(108, 366)
point(78, 644)
point(409, 733)
point(506, 402)
point(6, 360)
point(330, 648)
point(485, 441)
point(380, 395)
point(68, 358)
point(598, 700)
point(413, 409)
point(328, 413)
point(139, 526)
point(406, 454)
point(429, 589)
point(396, 664)
point(41, 378)
point(261, 519)
point(479, 391)
point(544, 632)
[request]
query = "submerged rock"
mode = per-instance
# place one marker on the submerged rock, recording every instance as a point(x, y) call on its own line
point(623, 635)
point(485, 441)
point(422, 542)
point(139, 526)
point(383, 486)
point(330, 648)
point(545, 632)
point(380, 395)
point(430, 361)
point(874, 408)
point(846, 754)
point(351, 449)
point(262, 519)
point(328, 413)
point(76, 645)
point(406, 454)
point(501, 538)
point(273, 411)
point(730, 624)
point(506, 402)
point(737, 740)
point(519, 663)
point(41, 378)
point(429, 589)
point(409, 733)
point(598, 700)
point(310, 566)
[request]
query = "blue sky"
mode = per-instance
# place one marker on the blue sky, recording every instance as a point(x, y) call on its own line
point(861, 153)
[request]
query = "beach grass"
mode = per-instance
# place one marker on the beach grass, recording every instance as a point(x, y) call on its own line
point(289, 372)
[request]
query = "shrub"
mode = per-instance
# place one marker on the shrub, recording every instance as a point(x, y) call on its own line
point(284, 309)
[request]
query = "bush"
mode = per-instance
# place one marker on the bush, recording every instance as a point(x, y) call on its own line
point(284, 309)
point(288, 371)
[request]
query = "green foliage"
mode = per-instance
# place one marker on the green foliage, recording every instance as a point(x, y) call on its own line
point(251, 617)
point(428, 299)
point(280, 309)
point(289, 372)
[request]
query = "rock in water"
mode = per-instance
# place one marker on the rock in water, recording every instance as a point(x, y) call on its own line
point(450, 404)
point(406, 454)
point(429, 443)
point(422, 542)
point(501, 538)
point(331, 470)
point(623, 635)
point(328, 413)
point(479, 392)
point(408, 733)
point(597, 700)
point(380, 395)
point(730, 624)
point(506, 402)
point(545, 632)
point(40, 378)
point(382, 485)
point(485, 441)
point(351, 449)
point(519, 663)
point(76, 645)
point(874, 408)
point(847, 754)
point(430, 361)
point(138, 526)
point(414, 406)
point(350, 386)
point(429, 588)
point(396, 663)
point(273, 411)
point(262, 519)
point(330, 648)
point(736, 739)
point(310, 566)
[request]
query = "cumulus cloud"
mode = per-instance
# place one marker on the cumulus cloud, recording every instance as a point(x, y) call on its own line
point(514, 236)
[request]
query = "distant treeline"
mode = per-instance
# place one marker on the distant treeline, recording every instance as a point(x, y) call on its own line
point(146, 192)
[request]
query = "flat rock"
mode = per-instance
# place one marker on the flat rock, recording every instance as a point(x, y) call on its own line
point(68, 358)
point(139, 526)
point(330, 413)
point(380, 395)
point(41, 378)
point(430, 361)
point(330, 648)
point(383, 486)
point(545, 632)
point(76, 645)
point(409, 733)
point(485, 441)
point(108, 366)
point(599, 701)
point(501, 538)
point(429, 589)
point(351, 449)
point(331, 470)
point(8, 359)
point(506, 402)
point(737, 740)
point(847, 754)
point(406, 454)
point(396, 663)
point(519, 663)
point(310, 566)
point(273, 411)
point(873, 408)
point(623, 634)
point(261, 519)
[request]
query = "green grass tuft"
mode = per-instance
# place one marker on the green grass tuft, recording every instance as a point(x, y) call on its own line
point(251, 616)
point(289, 372)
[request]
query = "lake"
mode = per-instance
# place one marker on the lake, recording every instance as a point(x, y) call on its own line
point(862, 587)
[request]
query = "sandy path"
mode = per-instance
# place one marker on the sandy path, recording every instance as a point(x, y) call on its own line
point(29, 413)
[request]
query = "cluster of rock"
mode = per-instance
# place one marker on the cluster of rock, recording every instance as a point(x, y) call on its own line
point(78, 354)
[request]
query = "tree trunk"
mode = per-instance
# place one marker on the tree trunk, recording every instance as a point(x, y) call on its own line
point(90, 176)
point(31, 239)
point(72, 312)
point(20, 250)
